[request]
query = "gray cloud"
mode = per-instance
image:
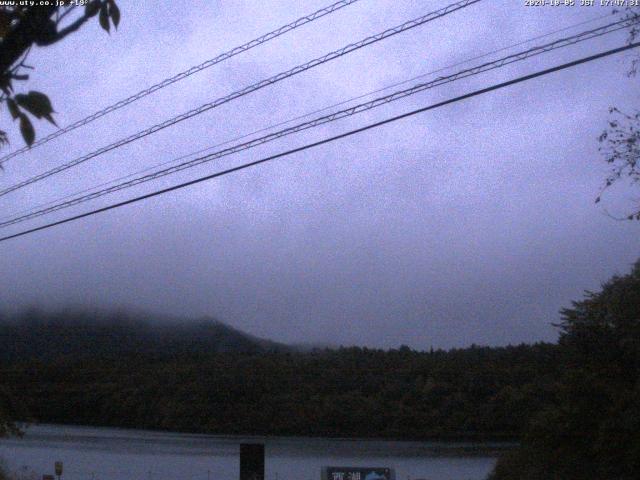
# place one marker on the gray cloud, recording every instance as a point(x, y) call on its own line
point(471, 223)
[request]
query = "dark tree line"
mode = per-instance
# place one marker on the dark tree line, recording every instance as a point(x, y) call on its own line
point(471, 393)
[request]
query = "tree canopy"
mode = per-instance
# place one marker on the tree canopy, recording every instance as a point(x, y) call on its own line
point(590, 431)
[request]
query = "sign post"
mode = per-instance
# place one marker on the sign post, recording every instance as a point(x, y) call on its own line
point(251, 461)
point(58, 469)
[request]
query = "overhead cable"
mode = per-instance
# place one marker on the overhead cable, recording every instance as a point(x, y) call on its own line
point(245, 91)
point(363, 107)
point(298, 117)
point(330, 139)
point(185, 74)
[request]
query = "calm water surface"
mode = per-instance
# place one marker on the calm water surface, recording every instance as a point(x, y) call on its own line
point(114, 454)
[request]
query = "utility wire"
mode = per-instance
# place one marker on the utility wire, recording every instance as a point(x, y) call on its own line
point(252, 88)
point(299, 117)
point(187, 73)
point(485, 67)
point(475, 93)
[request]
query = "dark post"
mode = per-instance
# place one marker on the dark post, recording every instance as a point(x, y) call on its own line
point(57, 466)
point(251, 461)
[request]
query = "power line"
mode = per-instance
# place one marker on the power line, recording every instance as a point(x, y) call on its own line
point(485, 67)
point(187, 73)
point(299, 117)
point(252, 88)
point(331, 139)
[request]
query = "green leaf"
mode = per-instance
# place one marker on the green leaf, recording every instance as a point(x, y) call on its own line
point(104, 17)
point(13, 108)
point(114, 12)
point(26, 128)
point(92, 9)
point(36, 103)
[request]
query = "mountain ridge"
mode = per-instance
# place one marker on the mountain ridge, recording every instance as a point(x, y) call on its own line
point(46, 335)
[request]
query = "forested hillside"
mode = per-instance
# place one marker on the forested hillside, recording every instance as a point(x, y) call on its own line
point(470, 393)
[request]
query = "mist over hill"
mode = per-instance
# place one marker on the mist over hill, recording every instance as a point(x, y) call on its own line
point(45, 335)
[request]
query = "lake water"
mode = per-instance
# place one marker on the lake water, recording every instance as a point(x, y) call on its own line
point(114, 454)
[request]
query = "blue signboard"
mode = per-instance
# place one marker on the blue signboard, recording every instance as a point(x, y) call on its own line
point(357, 473)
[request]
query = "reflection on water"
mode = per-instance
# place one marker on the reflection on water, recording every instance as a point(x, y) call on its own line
point(114, 454)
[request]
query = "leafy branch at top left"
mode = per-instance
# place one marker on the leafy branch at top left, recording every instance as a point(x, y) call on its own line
point(22, 28)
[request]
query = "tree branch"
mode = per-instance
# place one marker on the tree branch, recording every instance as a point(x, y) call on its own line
point(66, 31)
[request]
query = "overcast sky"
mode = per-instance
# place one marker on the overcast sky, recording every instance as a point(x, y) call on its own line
point(472, 223)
